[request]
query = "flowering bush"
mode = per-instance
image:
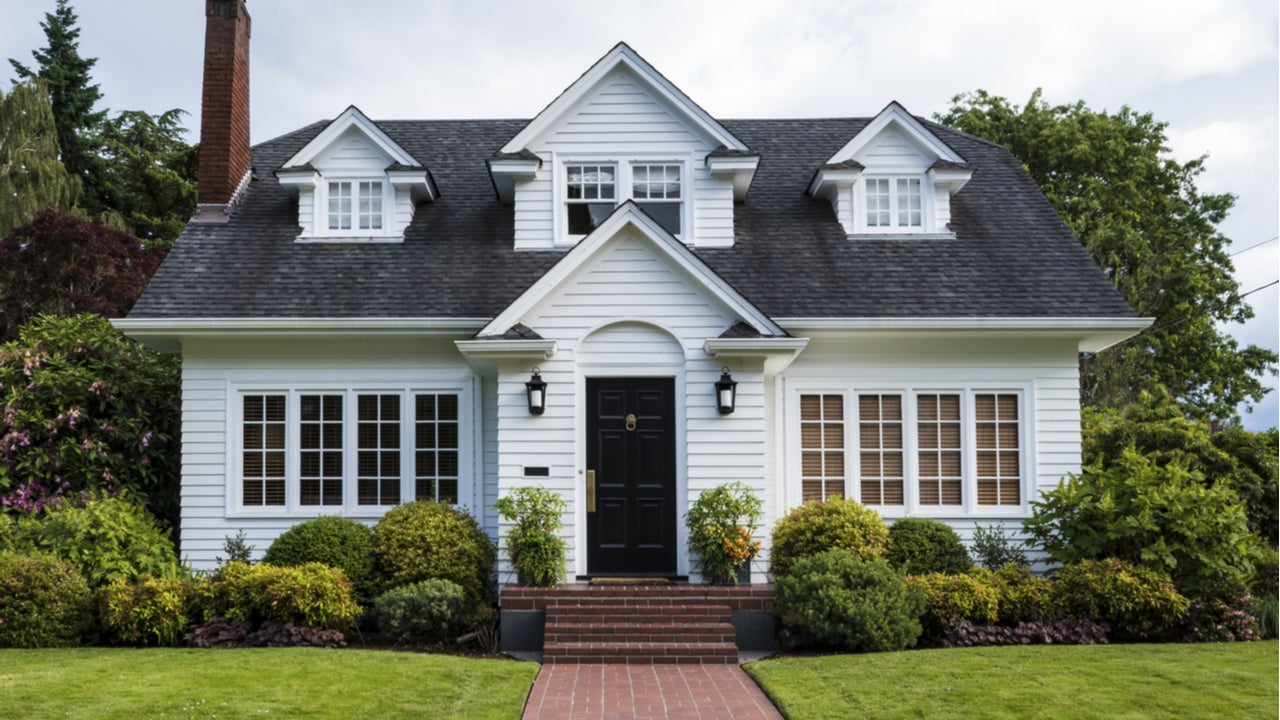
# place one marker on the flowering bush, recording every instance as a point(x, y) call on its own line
point(1214, 620)
point(721, 524)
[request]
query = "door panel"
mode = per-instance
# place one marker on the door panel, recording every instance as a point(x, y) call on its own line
point(633, 530)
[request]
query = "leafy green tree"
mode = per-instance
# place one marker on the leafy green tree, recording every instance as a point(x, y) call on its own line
point(31, 177)
point(149, 174)
point(66, 74)
point(1140, 215)
point(84, 408)
point(62, 264)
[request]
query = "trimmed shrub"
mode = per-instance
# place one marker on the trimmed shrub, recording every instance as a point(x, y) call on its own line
point(949, 598)
point(835, 599)
point(334, 541)
point(425, 612)
point(835, 524)
point(311, 595)
point(1135, 601)
point(105, 537)
point(1022, 597)
point(962, 633)
point(148, 611)
point(992, 549)
point(1214, 620)
point(44, 601)
point(426, 540)
point(924, 545)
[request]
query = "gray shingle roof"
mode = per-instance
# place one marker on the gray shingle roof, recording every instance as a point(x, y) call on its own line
point(1012, 256)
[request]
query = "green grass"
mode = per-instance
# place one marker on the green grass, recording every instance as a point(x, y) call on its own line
point(1229, 680)
point(283, 683)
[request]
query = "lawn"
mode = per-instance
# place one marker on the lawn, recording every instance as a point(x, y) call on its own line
point(1229, 680)
point(285, 683)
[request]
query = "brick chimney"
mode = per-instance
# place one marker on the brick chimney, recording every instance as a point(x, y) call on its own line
point(224, 117)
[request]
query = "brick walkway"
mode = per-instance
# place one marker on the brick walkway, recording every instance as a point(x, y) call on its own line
point(639, 692)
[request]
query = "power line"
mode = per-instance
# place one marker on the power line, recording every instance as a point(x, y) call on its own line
point(1264, 287)
point(1258, 245)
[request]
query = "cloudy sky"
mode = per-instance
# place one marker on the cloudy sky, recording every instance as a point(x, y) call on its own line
point(1207, 68)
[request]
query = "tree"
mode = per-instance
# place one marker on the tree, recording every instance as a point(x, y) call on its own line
point(31, 178)
point(66, 74)
point(149, 174)
point(1140, 215)
point(84, 408)
point(62, 264)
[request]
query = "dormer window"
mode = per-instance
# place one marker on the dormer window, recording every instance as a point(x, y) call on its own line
point(355, 205)
point(593, 189)
point(656, 189)
point(894, 203)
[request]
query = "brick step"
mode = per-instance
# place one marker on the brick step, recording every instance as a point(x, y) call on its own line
point(594, 612)
point(639, 632)
point(641, 653)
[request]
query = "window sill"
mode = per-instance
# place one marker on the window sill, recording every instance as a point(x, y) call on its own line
point(881, 235)
point(349, 239)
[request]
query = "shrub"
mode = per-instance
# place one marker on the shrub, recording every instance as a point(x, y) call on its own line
point(721, 523)
point(425, 540)
point(333, 541)
point(237, 549)
point(105, 537)
point(924, 545)
point(1266, 574)
point(836, 599)
point(992, 549)
point(1134, 600)
point(955, 597)
point(534, 545)
point(84, 408)
point(147, 611)
point(425, 612)
point(1022, 597)
point(1160, 516)
point(311, 595)
point(44, 602)
point(1214, 620)
point(962, 633)
point(835, 524)
point(1266, 610)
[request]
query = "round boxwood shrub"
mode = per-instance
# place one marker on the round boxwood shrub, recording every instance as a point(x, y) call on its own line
point(835, 524)
point(834, 599)
point(427, 540)
point(924, 545)
point(1135, 601)
point(44, 601)
point(955, 597)
point(425, 612)
point(334, 541)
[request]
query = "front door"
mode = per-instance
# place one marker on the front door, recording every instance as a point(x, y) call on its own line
point(631, 454)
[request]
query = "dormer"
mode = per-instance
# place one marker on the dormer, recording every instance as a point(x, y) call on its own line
point(622, 132)
point(894, 178)
point(355, 184)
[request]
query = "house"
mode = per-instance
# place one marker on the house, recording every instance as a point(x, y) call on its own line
point(623, 299)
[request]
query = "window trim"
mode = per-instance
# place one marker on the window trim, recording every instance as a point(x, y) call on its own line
point(468, 454)
point(624, 166)
point(928, 213)
point(911, 507)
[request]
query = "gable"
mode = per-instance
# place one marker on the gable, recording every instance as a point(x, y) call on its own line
point(352, 151)
point(895, 151)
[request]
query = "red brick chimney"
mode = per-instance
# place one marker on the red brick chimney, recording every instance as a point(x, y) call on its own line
point(224, 117)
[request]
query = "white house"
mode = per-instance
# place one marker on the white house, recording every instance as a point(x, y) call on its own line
point(362, 308)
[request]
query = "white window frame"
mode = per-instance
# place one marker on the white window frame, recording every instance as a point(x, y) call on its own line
point(623, 189)
point(468, 456)
point(911, 506)
point(861, 213)
point(320, 211)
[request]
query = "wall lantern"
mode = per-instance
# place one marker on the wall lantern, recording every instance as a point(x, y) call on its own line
point(726, 392)
point(537, 392)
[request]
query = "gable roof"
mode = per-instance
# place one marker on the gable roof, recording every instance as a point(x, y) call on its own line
point(1012, 256)
point(895, 115)
point(351, 118)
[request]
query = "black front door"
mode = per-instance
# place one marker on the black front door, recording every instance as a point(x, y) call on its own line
point(631, 452)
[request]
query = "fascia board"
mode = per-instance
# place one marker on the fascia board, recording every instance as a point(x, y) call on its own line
point(1091, 334)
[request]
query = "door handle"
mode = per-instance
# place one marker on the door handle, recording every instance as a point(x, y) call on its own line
point(591, 491)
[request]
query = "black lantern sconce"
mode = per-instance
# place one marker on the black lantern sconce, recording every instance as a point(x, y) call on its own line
point(726, 392)
point(536, 389)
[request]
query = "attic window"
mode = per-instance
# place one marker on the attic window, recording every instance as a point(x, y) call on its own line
point(894, 203)
point(355, 205)
point(590, 195)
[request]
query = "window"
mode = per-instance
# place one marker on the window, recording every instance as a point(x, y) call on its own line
point(263, 466)
point(355, 205)
point(938, 438)
point(590, 195)
point(999, 465)
point(656, 189)
point(822, 446)
point(880, 449)
point(339, 449)
point(894, 203)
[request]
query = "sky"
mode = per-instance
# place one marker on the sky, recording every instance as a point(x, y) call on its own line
point(1210, 69)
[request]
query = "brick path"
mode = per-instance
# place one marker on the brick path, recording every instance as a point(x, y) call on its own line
point(639, 692)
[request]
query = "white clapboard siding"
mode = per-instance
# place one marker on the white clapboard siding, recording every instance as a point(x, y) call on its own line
point(353, 152)
point(892, 150)
point(621, 111)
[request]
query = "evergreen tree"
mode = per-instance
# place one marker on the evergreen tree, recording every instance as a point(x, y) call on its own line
point(31, 178)
point(149, 174)
point(1140, 215)
point(66, 75)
